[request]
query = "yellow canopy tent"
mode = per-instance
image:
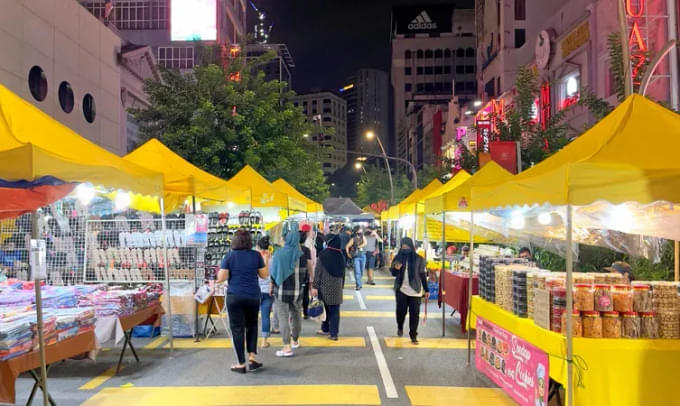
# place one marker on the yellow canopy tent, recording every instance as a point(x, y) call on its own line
point(285, 187)
point(459, 198)
point(34, 145)
point(182, 179)
point(434, 201)
point(261, 193)
point(415, 203)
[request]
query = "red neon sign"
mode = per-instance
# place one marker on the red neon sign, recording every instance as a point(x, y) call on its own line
point(638, 48)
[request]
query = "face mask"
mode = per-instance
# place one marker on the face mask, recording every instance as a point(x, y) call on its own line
point(406, 250)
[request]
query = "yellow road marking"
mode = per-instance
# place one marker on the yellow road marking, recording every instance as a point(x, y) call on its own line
point(347, 297)
point(390, 297)
point(430, 343)
point(369, 314)
point(213, 343)
point(96, 382)
point(238, 395)
point(155, 343)
point(383, 278)
point(445, 396)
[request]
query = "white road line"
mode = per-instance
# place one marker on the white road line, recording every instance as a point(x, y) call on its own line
point(360, 299)
point(351, 276)
point(390, 389)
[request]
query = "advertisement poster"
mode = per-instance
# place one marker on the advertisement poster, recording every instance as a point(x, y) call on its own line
point(518, 367)
point(505, 154)
point(196, 229)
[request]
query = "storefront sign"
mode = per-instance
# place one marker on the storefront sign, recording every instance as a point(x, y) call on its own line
point(635, 10)
point(483, 135)
point(422, 19)
point(542, 49)
point(575, 39)
point(504, 153)
point(196, 229)
point(518, 367)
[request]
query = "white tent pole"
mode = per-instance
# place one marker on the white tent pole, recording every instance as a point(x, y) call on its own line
point(570, 340)
point(442, 276)
point(167, 274)
point(472, 245)
point(39, 314)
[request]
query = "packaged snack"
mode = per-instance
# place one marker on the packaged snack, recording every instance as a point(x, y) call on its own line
point(592, 325)
point(614, 279)
point(600, 278)
point(603, 298)
point(583, 278)
point(576, 325)
point(623, 298)
point(669, 325)
point(583, 297)
point(649, 328)
point(611, 325)
point(631, 325)
point(559, 305)
point(642, 298)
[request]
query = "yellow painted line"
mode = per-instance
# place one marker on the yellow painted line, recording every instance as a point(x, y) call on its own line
point(155, 343)
point(369, 314)
point(445, 396)
point(96, 382)
point(347, 297)
point(430, 343)
point(390, 297)
point(238, 395)
point(383, 278)
point(214, 343)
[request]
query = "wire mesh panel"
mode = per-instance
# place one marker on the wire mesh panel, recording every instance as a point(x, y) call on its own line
point(131, 250)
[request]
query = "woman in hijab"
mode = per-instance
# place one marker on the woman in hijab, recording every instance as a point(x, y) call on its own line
point(408, 268)
point(287, 280)
point(328, 283)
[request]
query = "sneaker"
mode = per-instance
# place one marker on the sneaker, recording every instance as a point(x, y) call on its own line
point(295, 345)
point(333, 338)
point(322, 333)
point(371, 283)
point(415, 341)
point(357, 288)
point(283, 354)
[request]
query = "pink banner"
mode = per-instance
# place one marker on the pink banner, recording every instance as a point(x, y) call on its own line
point(518, 367)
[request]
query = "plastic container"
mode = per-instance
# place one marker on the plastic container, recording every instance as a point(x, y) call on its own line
point(592, 325)
point(583, 278)
point(649, 327)
point(615, 279)
point(559, 306)
point(603, 298)
point(611, 325)
point(630, 323)
point(576, 324)
point(623, 298)
point(642, 298)
point(583, 297)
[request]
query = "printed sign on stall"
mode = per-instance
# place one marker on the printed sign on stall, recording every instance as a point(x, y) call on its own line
point(518, 367)
point(196, 228)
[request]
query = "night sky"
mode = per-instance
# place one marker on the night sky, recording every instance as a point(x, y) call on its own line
point(329, 39)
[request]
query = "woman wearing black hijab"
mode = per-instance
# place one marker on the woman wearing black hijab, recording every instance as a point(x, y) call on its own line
point(328, 282)
point(411, 281)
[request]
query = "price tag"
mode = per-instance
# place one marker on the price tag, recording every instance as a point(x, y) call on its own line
point(38, 259)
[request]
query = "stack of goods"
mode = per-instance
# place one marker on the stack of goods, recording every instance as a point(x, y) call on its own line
point(16, 298)
point(531, 286)
point(71, 322)
point(16, 337)
point(519, 292)
point(666, 309)
point(487, 277)
point(558, 296)
point(49, 329)
point(59, 298)
point(504, 287)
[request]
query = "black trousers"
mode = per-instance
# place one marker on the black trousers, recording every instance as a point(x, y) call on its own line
point(412, 304)
point(243, 312)
point(305, 299)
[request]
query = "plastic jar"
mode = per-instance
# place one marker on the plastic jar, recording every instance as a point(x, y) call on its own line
point(649, 327)
point(559, 306)
point(642, 298)
point(583, 278)
point(631, 325)
point(576, 324)
point(614, 279)
point(592, 325)
point(603, 298)
point(623, 298)
point(611, 325)
point(583, 297)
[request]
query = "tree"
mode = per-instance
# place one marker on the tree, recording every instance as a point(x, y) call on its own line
point(374, 186)
point(221, 118)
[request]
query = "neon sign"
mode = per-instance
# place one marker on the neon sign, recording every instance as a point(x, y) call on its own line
point(638, 46)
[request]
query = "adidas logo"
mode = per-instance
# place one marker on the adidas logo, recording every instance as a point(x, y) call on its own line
point(422, 22)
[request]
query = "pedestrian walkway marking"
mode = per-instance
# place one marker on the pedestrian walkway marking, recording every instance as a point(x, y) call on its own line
point(215, 343)
point(362, 305)
point(389, 297)
point(96, 382)
point(155, 343)
point(238, 395)
point(388, 382)
point(348, 297)
point(374, 314)
point(428, 343)
point(446, 396)
point(383, 278)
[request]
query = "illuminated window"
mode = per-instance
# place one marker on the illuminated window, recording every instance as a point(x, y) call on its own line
point(569, 88)
point(176, 57)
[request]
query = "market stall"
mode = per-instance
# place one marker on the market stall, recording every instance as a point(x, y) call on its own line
point(608, 162)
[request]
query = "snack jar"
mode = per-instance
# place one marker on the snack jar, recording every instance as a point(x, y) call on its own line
point(631, 325)
point(583, 277)
point(649, 327)
point(603, 298)
point(584, 297)
point(559, 306)
point(611, 325)
point(623, 298)
point(592, 324)
point(642, 298)
point(576, 324)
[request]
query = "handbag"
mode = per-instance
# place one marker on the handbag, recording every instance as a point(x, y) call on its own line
point(316, 309)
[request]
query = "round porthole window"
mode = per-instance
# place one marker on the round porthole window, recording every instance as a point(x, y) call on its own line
point(66, 97)
point(37, 83)
point(89, 108)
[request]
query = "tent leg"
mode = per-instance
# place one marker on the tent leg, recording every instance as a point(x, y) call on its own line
point(570, 341)
point(197, 338)
point(39, 316)
point(676, 251)
point(442, 277)
point(469, 314)
point(167, 274)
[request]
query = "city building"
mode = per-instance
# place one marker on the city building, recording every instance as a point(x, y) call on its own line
point(433, 58)
point(280, 67)
point(327, 110)
point(59, 57)
point(174, 29)
point(367, 95)
point(426, 126)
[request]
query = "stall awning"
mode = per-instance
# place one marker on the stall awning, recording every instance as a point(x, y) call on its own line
point(33, 145)
point(459, 198)
point(434, 202)
point(630, 155)
point(310, 205)
point(259, 192)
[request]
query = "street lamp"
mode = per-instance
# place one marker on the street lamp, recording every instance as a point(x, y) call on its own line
point(370, 135)
point(358, 165)
point(306, 135)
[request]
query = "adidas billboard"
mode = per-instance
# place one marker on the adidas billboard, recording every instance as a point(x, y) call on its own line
point(422, 22)
point(422, 19)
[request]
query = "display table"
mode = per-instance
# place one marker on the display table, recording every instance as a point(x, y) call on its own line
point(30, 362)
point(613, 371)
point(150, 315)
point(453, 290)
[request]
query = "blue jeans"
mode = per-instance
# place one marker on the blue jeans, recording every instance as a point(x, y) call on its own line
point(359, 267)
point(332, 323)
point(266, 301)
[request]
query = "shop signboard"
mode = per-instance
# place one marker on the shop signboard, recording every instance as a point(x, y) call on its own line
point(422, 19)
point(505, 154)
point(577, 38)
point(515, 365)
point(196, 228)
point(483, 135)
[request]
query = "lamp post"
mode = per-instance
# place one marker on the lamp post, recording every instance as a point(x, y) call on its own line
point(370, 135)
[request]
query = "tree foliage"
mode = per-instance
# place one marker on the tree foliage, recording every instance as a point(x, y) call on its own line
point(374, 186)
point(220, 125)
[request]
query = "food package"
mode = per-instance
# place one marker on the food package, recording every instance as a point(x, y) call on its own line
point(576, 324)
point(583, 278)
point(603, 298)
point(611, 325)
point(584, 297)
point(649, 326)
point(630, 325)
point(642, 298)
point(559, 306)
point(669, 325)
point(592, 325)
point(623, 298)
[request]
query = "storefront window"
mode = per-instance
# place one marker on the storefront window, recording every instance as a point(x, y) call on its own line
point(570, 87)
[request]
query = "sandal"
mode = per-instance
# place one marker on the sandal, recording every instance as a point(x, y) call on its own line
point(266, 344)
point(254, 366)
point(238, 370)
